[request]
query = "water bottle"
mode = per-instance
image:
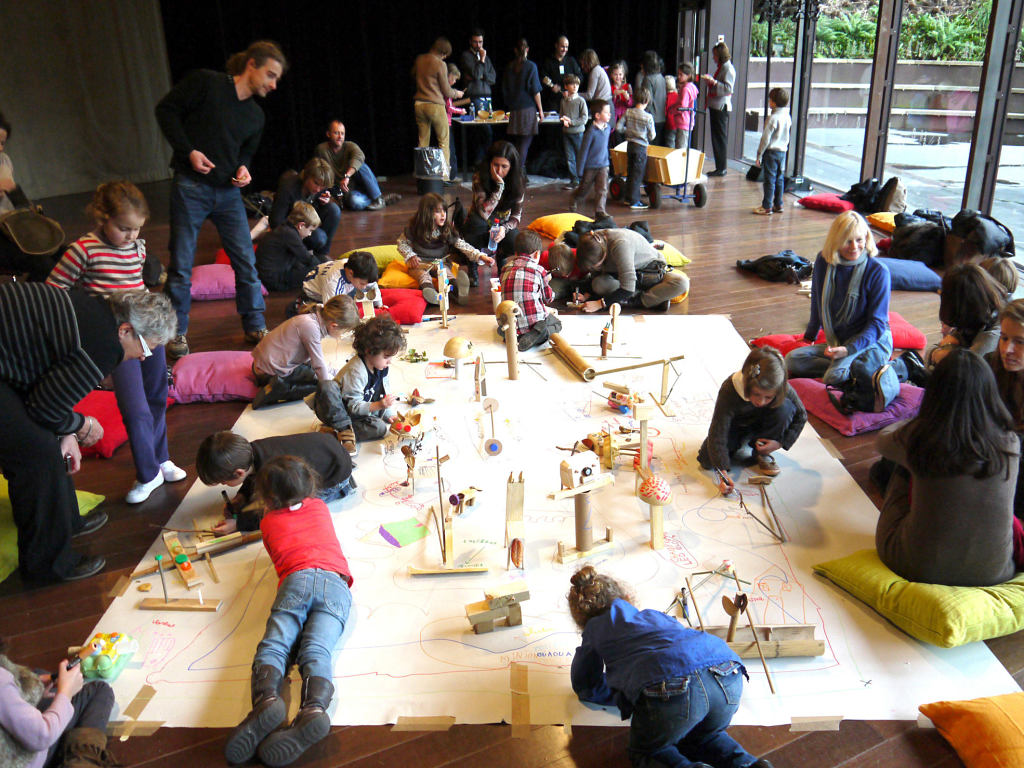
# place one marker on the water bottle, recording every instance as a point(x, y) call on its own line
point(492, 239)
point(471, 110)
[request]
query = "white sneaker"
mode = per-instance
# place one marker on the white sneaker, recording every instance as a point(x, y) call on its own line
point(172, 472)
point(141, 491)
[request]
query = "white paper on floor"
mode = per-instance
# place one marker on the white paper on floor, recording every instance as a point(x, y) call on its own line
point(408, 649)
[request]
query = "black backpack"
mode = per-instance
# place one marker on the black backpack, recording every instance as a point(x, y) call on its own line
point(782, 267)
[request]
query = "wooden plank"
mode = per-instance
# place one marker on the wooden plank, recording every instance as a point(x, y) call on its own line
point(179, 604)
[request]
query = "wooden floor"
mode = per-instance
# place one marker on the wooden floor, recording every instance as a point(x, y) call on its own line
point(41, 622)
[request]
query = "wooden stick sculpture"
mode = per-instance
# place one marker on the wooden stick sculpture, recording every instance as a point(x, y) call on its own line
point(507, 312)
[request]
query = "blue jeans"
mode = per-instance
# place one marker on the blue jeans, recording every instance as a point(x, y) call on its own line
point(773, 166)
point(307, 619)
point(636, 171)
point(192, 203)
point(335, 492)
point(141, 391)
point(363, 189)
point(811, 363)
point(682, 721)
point(319, 241)
point(571, 143)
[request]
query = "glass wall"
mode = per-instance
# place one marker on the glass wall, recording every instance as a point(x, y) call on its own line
point(935, 96)
point(840, 85)
point(1008, 200)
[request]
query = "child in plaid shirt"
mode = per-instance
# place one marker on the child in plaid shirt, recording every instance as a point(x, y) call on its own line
point(639, 133)
point(525, 282)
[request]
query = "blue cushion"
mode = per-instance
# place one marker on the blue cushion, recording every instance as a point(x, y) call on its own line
point(910, 275)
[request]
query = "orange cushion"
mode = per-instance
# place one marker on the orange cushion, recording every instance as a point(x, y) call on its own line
point(396, 275)
point(986, 733)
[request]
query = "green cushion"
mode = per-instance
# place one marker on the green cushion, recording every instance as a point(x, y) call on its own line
point(9, 534)
point(383, 254)
point(940, 615)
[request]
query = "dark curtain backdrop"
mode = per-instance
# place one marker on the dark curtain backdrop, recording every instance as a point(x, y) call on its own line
point(353, 59)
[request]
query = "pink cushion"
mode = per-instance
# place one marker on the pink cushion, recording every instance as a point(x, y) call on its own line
point(102, 406)
point(904, 336)
point(815, 399)
point(405, 305)
point(214, 281)
point(826, 201)
point(211, 377)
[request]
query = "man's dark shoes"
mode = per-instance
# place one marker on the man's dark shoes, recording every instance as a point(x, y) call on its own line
point(376, 205)
point(717, 173)
point(91, 522)
point(87, 566)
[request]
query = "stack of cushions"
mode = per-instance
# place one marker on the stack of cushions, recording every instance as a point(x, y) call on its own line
point(87, 502)
point(937, 614)
point(986, 733)
point(829, 202)
point(212, 377)
point(101, 404)
point(904, 336)
point(382, 254)
point(556, 224)
point(814, 395)
point(214, 281)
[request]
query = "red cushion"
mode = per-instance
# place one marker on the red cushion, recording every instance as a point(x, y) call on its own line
point(405, 305)
point(904, 336)
point(102, 406)
point(884, 244)
point(814, 396)
point(826, 201)
point(222, 257)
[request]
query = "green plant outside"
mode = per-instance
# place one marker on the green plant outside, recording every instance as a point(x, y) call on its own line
point(852, 36)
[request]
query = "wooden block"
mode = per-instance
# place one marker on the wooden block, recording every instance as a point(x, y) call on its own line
point(185, 568)
point(516, 588)
point(571, 554)
point(216, 543)
point(414, 571)
point(515, 615)
point(484, 626)
point(179, 604)
point(600, 481)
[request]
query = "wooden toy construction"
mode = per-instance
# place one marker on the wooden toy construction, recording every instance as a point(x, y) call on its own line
point(407, 425)
point(657, 493)
point(457, 349)
point(182, 562)
point(585, 544)
point(611, 445)
point(507, 312)
point(777, 641)
point(515, 528)
point(500, 604)
point(364, 301)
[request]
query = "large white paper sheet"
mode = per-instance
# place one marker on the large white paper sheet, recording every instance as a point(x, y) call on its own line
point(408, 649)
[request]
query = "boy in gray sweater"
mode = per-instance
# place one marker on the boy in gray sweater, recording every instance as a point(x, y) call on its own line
point(573, 113)
point(771, 152)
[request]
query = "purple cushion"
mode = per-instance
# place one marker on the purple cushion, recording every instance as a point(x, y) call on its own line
point(214, 281)
point(815, 399)
point(211, 377)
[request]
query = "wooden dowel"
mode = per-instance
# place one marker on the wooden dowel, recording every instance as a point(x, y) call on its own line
point(696, 609)
point(757, 640)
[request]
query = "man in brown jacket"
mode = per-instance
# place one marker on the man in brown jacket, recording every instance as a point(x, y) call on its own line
point(431, 76)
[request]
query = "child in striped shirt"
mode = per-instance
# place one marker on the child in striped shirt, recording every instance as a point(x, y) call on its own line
point(107, 260)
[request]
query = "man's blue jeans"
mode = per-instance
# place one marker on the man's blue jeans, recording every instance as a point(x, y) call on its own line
point(363, 189)
point(192, 203)
point(682, 721)
point(307, 617)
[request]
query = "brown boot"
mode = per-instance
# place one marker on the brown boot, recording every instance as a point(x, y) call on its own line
point(311, 724)
point(345, 436)
point(86, 748)
point(268, 712)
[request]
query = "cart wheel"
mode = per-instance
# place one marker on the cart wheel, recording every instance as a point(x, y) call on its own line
point(615, 188)
point(654, 194)
point(700, 195)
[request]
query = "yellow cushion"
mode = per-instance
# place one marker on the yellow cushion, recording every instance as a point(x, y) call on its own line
point(383, 254)
point(673, 256)
point(986, 733)
point(396, 275)
point(885, 221)
point(557, 224)
point(940, 615)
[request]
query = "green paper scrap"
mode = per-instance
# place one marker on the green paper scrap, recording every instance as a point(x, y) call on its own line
point(403, 532)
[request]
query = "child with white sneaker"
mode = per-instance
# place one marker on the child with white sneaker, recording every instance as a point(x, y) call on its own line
point(110, 259)
point(771, 152)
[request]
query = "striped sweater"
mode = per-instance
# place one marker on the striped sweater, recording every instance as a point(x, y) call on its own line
point(99, 268)
point(41, 354)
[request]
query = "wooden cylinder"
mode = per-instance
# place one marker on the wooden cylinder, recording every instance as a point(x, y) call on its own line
point(511, 343)
point(572, 358)
point(584, 531)
point(495, 297)
point(657, 527)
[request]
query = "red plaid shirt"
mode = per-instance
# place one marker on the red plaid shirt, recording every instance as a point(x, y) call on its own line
point(522, 281)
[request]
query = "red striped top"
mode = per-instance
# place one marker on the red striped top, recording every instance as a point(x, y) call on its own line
point(98, 267)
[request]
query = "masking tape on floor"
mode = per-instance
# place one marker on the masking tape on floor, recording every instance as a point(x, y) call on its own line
point(133, 710)
point(519, 690)
point(816, 723)
point(832, 450)
point(438, 723)
point(120, 587)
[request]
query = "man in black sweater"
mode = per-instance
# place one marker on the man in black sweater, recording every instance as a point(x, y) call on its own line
point(214, 127)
